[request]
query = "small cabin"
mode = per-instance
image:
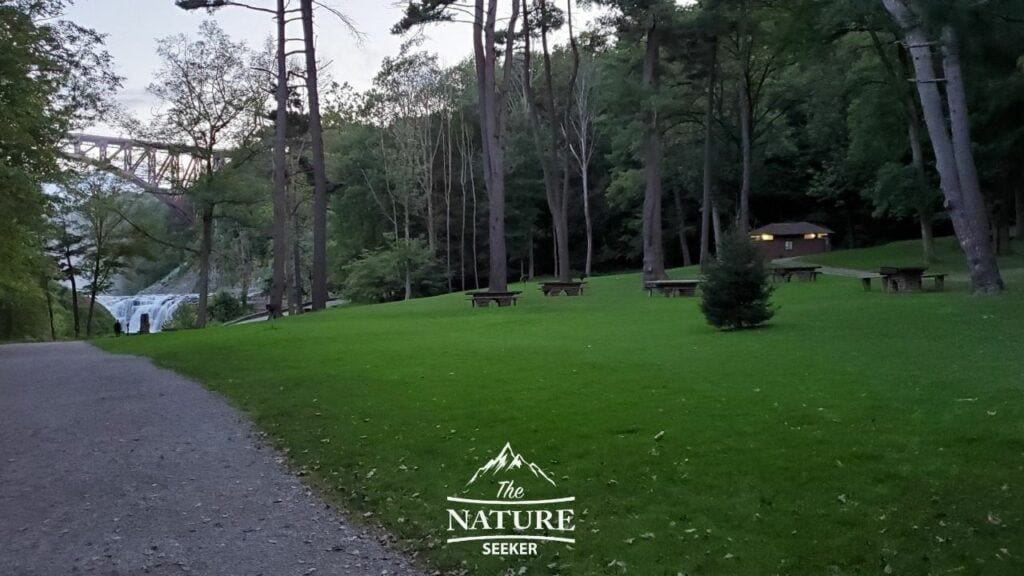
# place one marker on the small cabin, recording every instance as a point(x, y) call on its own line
point(786, 239)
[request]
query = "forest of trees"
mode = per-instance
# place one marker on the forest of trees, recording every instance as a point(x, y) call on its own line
point(636, 142)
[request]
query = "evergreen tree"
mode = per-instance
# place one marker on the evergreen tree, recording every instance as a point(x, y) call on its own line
point(736, 291)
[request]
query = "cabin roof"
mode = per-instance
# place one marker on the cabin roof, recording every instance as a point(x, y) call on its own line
point(791, 229)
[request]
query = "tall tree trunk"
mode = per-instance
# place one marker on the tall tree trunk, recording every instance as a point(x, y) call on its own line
point(924, 214)
point(654, 259)
point(589, 224)
point(92, 310)
point(989, 279)
point(319, 287)
point(485, 60)
point(448, 205)
point(280, 169)
point(49, 307)
point(1019, 201)
point(560, 145)
point(530, 273)
point(552, 156)
point(684, 246)
point(431, 232)
point(743, 216)
point(913, 115)
point(492, 113)
point(408, 243)
point(952, 146)
point(560, 221)
point(74, 292)
point(297, 265)
point(746, 126)
point(463, 154)
point(716, 224)
point(927, 236)
point(583, 106)
point(245, 279)
point(205, 248)
point(709, 147)
point(475, 222)
point(93, 288)
point(290, 285)
point(555, 254)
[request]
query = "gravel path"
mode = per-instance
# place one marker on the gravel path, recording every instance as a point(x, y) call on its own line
point(111, 466)
point(829, 270)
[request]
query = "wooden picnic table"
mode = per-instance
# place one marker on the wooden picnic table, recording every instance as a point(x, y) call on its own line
point(672, 288)
point(897, 279)
point(556, 287)
point(786, 272)
point(901, 278)
point(484, 298)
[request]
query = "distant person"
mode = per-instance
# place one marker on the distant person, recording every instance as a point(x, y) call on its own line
point(118, 329)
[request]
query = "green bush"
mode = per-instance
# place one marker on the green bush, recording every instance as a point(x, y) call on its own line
point(185, 317)
point(736, 290)
point(225, 306)
point(379, 275)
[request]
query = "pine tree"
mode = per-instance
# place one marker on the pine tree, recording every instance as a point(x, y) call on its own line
point(736, 289)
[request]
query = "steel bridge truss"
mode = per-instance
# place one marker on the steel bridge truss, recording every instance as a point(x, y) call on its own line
point(164, 170)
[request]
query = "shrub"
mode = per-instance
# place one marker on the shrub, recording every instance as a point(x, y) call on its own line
point(225, 307)
point(736, 290)
point(185, 317)
point(379, 275)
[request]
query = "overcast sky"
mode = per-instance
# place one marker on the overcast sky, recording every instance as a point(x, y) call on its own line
point(134, 26)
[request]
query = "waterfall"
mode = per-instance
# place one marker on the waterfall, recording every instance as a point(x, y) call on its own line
point(129, 309)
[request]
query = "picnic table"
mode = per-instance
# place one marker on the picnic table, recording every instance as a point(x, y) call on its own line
point(897, 279)
point(786, 272)
point(672, 288)
point(905, 279)
point(569, 288)
point(901, 278)
point(483, 299)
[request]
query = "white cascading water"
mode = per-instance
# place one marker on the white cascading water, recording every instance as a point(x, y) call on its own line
point(129, 309)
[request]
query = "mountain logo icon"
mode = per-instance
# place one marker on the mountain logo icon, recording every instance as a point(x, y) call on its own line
point(508, 460)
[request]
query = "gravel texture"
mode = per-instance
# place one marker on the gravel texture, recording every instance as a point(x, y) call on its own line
point(111, 466)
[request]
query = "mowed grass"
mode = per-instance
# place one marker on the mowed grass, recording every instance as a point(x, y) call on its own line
point(862, 433)
point(948, 257)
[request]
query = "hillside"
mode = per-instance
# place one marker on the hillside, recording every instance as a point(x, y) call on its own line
point(859, 431)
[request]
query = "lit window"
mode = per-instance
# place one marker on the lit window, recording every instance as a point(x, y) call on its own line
point(810, 236)
point(762, 237)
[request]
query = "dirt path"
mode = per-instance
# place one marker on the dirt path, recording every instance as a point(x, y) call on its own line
point(111, 466)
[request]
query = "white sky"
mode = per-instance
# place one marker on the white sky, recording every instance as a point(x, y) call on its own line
point(134, 26)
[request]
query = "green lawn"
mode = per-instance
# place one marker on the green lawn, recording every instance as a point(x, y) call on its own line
point(862, 433)
point(948, 257)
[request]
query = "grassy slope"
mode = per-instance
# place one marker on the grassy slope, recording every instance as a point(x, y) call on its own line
point(861, 430)
point(948, 257)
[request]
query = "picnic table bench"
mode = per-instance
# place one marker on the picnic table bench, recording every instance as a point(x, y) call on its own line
point(939, 278)
point(672, 288)
point(901, 278)
point(904, 279)
point(569, 288)
point(786, 272)
point(866, 279)
point(483, 299)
